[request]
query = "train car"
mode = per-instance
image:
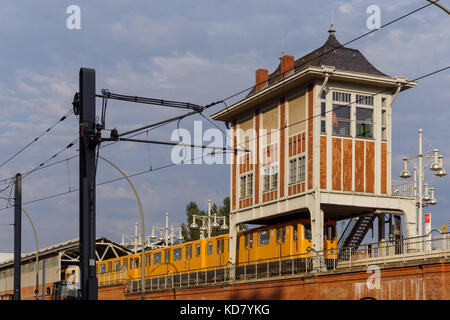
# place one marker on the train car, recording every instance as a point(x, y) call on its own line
point(276, 249)
point(281, 248)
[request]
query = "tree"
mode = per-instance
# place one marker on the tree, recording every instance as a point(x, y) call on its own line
point(186, 231)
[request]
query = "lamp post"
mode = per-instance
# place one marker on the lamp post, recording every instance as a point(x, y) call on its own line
point(35, 240)
point(141, 211)
point(423, 198)
point(206, 222)
point(166, 233)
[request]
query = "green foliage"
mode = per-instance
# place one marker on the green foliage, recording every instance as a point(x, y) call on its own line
point(193, 209)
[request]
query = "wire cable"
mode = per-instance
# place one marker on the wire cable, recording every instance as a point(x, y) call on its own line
point(295, 68)
point(64, 117)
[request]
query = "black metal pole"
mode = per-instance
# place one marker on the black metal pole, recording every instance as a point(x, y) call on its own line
point(88, 142)
point(17, 233)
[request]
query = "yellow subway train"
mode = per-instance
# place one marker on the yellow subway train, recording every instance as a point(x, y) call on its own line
point(275, 249)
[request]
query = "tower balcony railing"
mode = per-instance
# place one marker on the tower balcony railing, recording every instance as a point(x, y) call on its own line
point(401, 188)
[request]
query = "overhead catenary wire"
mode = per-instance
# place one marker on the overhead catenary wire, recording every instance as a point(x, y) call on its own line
point(193, 159)
point(113, 180)
point(64, 117)
point(198, 110)
point(295, 68)
point(347, 105)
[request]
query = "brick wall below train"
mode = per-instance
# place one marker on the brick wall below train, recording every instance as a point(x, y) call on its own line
point(427, 282)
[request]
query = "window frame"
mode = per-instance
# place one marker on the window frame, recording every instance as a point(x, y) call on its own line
point(364, 122)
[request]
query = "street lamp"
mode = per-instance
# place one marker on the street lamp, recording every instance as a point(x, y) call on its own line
point(206, 222)
point(423, 199)
point(165, 233)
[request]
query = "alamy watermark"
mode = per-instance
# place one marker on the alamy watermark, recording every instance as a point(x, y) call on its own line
point(374, 19)
point(213, 146)
point(74, 19)
point(374, 281)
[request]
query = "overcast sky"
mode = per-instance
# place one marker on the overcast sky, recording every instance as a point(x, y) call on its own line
point(197, 51)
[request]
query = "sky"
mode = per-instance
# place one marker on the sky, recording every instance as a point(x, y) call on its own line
point(197, 51)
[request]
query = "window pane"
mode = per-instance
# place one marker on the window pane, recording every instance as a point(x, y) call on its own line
point(197, 250)
point(243, 186)
point(364, 123)
point(301, 169)
point(322, 109)
point(274, 171)
point(364, 114)
point(249, 185)
point(157, 258)
point(341, 112)
point(307, 231)
point(263, 237)
point(209, 248)
point(364, 130)
point(292, 170)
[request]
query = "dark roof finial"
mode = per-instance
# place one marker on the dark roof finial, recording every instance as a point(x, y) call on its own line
point(331, 31)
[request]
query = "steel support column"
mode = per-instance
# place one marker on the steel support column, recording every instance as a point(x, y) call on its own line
point(88, 142)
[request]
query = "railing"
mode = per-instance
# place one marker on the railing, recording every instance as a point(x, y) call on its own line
point(435, 245)
point(112, 278)
point(402, 188)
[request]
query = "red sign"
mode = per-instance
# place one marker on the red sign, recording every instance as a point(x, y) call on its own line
point(427, 217)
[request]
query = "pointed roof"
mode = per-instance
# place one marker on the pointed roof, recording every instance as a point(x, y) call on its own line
point(331, 53)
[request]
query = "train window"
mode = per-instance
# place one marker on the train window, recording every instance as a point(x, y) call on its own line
point(197, 250)
point(237, 243)
point(131, 263)
point(220, 245)
point(116, 265)
point(283, 234)
point(177, 254)
point(330, 233)
point(278, 234)
point(246, 241)
point(295, 232)
point(148, 259)
point(136, 262)
point(210, 247)
point(125, 263)
point(157, 258)
point(102, 268)
point(110, 266)
point(308, 234)
point(263, 237)
point(251, 240)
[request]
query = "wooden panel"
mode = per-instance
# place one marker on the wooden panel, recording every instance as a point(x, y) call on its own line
point(282, 144)
point(323, 162)
point(347, 165)
point(336, 183)
point(383, 168)
point(370, 166)
point(359, 166)
point(310, 136)
point(270, 123)
point(296, 115)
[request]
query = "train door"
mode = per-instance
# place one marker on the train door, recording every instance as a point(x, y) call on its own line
point(188, 255)
point(307, 238)
point(220, 250)
point(282, 243)
point(295, 241)
point(167, 259)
